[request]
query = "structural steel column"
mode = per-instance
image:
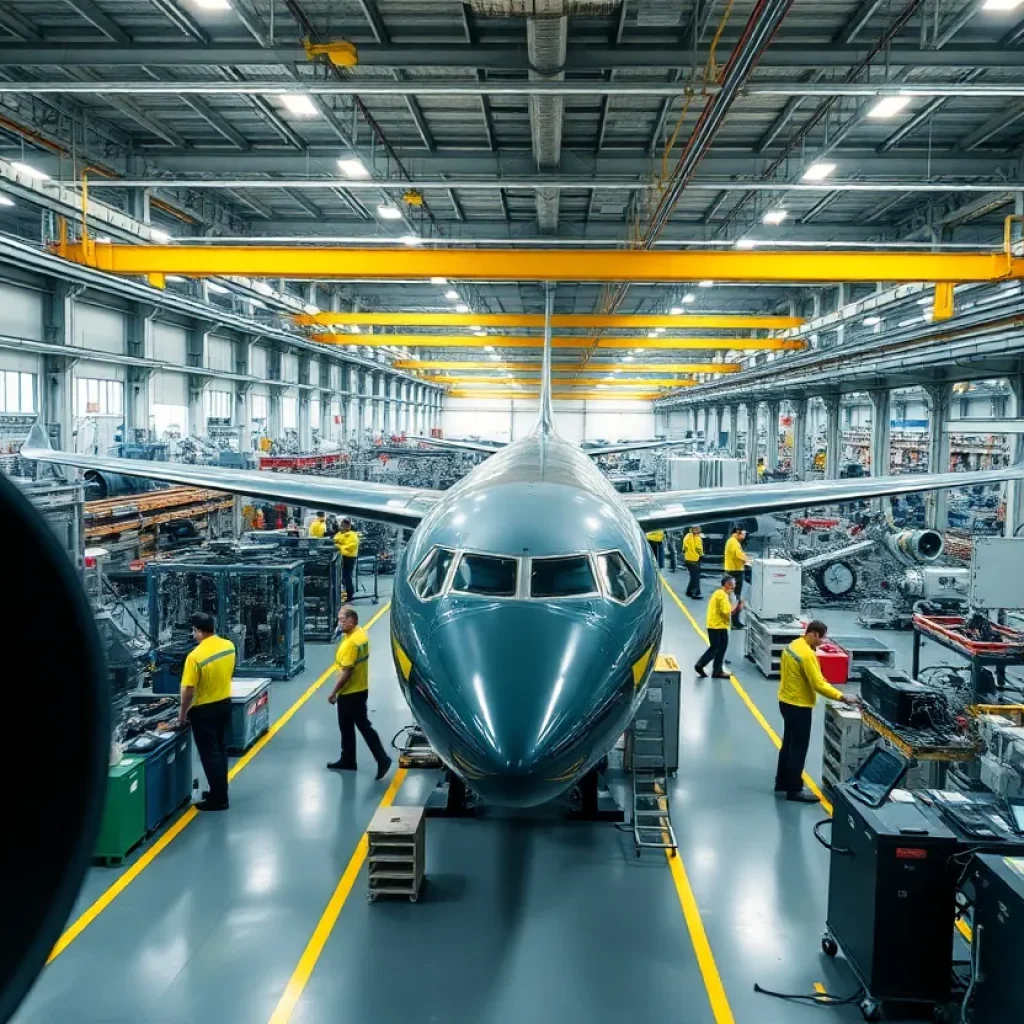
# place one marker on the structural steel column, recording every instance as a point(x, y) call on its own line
point(733, 418)
point(832, 436)
point(798, 412)
point(881, 432)
point(305, 427)
point(57, 382)
point(937, 502)
point(771, 461)
point(1015, 488)
point(753, 414)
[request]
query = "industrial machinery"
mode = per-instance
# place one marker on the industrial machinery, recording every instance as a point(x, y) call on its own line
point(775, 588)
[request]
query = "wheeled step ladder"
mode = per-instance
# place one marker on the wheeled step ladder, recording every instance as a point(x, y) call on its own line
point(652, 821)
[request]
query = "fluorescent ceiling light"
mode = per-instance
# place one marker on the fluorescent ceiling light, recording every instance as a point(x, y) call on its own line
point(871, 321)
point(461, 307)
point(627, 359)
point(652, 334)
point(30, 171)
point(352, 167)
point(600, 385)
point(689, 297)
point(411, 240)
point(775, 217)
point(439, 280)
point(217, 289)
point(311, 309)
point(300, 104)
point(158, 235)
point(496, 358)
point(746, 243)
point(355, 329)
point(889, 106)
point(1001, 5)
point(706, 284)
point(213, 5)
point(818, 171)
point(388, 212)
point(174, 277)
point(451, 294)
point(488, 348)
point(676, 310)
point(659, 330)
point(924, 302)
point(4, 201)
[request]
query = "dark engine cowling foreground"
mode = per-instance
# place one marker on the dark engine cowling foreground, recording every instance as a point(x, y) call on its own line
point(56, 747)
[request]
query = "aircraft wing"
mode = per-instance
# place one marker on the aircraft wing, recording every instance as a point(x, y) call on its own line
point(485, 448)
point(400, 506)
point(628, 446)
point(685, 508)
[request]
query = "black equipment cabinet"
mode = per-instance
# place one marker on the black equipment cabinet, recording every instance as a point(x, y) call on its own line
point(891, 895)
point(998, 996)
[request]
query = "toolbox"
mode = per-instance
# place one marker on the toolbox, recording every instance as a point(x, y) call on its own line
point(124, 812)
point(250, 713)
point(835, 662)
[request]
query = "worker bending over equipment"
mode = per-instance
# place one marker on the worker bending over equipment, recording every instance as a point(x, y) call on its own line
point(346, 540)
point(206, 704)
point(802, 681)
point(719, 619)
point(693, 552)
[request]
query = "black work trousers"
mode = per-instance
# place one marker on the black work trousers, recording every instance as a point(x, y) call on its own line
point(739, 576)
point(348, 564)
point(718, 644)
point(693, 585)
point(351, 716)
point(796, 737)
point(211, 728)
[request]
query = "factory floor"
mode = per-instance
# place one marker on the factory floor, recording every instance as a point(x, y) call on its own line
point(258, 915)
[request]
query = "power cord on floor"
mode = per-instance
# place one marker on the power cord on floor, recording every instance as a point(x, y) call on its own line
point(817, 999)
point(821, 839)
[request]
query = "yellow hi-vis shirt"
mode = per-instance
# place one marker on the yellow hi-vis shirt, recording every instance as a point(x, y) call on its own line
point(693, 547)
point(347, 543)
point(802, 679)
point(719, 610)
point(354, 653)
point(735, 559)
point(318, 528)
point(208, 669)
point(656, 535)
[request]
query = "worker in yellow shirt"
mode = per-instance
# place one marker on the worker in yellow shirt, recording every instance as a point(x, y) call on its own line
point(693, 552)
point(346, 540)
point(735, 563)
point(318, 528)
point(350, 693)
point(719, 619)
point(802, 681)
point(656, 538)
point(761, 467)
point(206, 704)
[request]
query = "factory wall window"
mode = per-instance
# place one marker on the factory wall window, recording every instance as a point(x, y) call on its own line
point(620, 581)
point(17, 391)
point(169, 418)
point(260, 407)
point(487, 575)
point(562, 577)
point(314, 413)
point(218, 404)
point(97, 397)
point(428, 579)
point(289, 413)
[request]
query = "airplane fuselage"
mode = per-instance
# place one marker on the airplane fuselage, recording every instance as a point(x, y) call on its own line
point(526, 620)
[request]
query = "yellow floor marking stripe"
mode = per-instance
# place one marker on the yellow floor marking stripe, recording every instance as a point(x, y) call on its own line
point(705, 958)
point(318, 940)
point(745, 697)
point(128, 876)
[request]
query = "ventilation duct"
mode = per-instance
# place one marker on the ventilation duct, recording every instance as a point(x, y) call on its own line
point(547, 33)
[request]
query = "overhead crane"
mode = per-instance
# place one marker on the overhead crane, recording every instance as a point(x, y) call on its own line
point(625, 382)
point(399, 318)
point(589, 396)
point(507, 341)
point(429, 366)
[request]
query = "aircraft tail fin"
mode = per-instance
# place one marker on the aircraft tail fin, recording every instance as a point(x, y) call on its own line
point(546, 422)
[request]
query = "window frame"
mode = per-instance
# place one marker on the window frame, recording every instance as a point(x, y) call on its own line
point(594, 575)
point(603, 583)
point(445, 583)
point(461, 554)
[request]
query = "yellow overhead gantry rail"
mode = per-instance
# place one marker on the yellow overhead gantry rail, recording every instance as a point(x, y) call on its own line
point(576, 396)
point(627, 382)
point(429, 366)
point(627, 265)
point(682, 322)
point(509, 341)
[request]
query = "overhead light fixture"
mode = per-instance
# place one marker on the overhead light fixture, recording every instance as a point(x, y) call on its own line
point(158, 235)
point(355, 329)
point(217, 289)
point(706, 284)
point(263, 288)
point(659, 330)
point(174, 277)
point(496, 358)
point(461, 307)
point(213, 5)
point(412, 240)
point(488, 348)
point(775, 217)
point(889, 106)
point(310, 309)
point(352, 167)
point(30, 171)
point(1001, 5)
point(387, 211)
point(600, 385)
point(299, 104)
point(924, 302)
point(818, 171)
point(689, 297)
point(4, 201)
point(746, 243)
point(627, 359)
point(652, 334)
point(439, 280)
point(676, 310)
point(871, 321)
point(451, 294)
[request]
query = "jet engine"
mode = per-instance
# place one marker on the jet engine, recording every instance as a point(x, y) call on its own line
point(914, 547)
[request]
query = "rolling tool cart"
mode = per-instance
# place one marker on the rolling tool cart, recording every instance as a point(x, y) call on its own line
point(250, 713)
point(397, 852)
point(124, 814)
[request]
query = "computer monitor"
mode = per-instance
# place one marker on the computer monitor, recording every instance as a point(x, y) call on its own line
point(878, 776)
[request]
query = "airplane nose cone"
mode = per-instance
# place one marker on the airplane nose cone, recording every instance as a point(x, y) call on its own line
point(526, 698)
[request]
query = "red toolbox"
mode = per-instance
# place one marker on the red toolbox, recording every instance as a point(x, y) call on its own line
point(835, 662)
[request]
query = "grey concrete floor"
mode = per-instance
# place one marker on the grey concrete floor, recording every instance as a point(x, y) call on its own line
point(525, 916)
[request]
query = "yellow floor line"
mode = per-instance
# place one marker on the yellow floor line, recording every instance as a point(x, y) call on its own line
point(811, 784)
point(318, 940)
point(128, 876)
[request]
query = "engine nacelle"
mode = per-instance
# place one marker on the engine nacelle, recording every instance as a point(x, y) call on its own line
point(915, 547)
point(937, 584)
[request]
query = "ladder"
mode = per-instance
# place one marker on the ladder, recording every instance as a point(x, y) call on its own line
point(652, 821)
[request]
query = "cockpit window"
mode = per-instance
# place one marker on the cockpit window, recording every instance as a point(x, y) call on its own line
point(488, 575)
point(619, 579)
point(428, 579)
point(561, 577)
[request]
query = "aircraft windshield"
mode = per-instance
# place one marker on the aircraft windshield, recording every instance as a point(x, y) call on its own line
point(619, 579)
point(428, 580)
point(562, 577)
point(487, 575)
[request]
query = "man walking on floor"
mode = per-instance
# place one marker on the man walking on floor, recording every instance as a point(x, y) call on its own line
point(351, 693)
point(206, 704)
point(802, 681)
point(736, 561)
point(693, 552)
point(719, 619)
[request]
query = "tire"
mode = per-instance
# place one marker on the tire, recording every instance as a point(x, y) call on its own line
point(829, 946)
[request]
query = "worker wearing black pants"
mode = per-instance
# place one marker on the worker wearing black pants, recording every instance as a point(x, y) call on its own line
point(719, 619)
point(211, 729)
point(352, 715)
point(718, 644)
point(346, 540)
point(348, 565)
point(796, 738)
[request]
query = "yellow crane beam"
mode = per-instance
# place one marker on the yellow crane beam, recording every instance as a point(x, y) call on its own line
point(510, 341)
point(398, 318)
point(656, 382)
point(576, 396)
point(431, 365)
point(655, 266)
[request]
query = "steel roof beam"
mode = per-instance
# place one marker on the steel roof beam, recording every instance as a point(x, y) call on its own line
point(100, 20)
point(18, 25)
point(993, 126)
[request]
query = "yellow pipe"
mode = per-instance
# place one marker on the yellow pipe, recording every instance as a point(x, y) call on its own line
point(509, 341)
point(657, 382)
point(428, 365)
point(576, 396)
point(640, 265)
point(398, 318)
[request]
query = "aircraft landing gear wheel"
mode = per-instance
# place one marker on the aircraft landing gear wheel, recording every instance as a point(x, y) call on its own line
point(870, 1010)
point(829, 946)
